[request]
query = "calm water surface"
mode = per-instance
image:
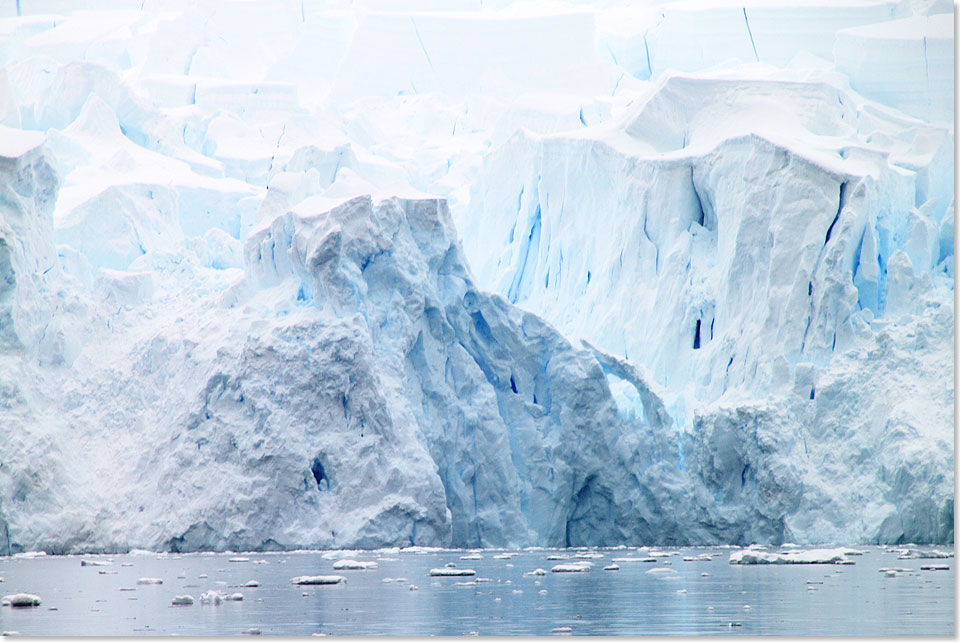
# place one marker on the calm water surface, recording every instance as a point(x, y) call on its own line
point(782, 600)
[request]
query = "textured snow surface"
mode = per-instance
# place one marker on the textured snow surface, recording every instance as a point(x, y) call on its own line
point(308, 275)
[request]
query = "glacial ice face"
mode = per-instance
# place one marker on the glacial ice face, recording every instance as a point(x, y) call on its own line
point(766, 261)
point(234, 312)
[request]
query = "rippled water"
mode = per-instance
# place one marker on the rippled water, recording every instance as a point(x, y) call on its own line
point(762, 600)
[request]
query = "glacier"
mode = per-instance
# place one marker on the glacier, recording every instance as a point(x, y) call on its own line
point(355, 275)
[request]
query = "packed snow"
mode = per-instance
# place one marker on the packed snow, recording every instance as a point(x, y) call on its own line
point(328, 275)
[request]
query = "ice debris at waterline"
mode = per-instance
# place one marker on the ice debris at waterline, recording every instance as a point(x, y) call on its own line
point(318, 579)
point(815, 556)
point(19, 600)
point(332, 287)
point(452, 572)
point(354, 565)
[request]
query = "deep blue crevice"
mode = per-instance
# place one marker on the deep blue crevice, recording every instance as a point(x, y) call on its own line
point(316, 467)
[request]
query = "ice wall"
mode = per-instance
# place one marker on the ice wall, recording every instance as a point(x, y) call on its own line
point(314, 274)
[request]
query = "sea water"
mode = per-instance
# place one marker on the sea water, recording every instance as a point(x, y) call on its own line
point(503, 598)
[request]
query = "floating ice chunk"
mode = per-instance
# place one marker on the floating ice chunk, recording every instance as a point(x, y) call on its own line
point(703, 557)
point(252, 584)
point(562, 629)
point(682, 592)
point(252, 632)
point(542, 592)
point(212, 597)
point(388, 580)
point(504, 556)
point(106, 572)
point(239, 559)
point(354, 565)
point(203, 576)
point(704, 574)
point(747, 607)
point(234, 597)
point(29, 555)
point(126, 564)
point(588, 556)
point(414, 587)
point(815, 556)
point(472, 556)
point(538, 571)
point(18, 600)
point(464, 583)
point(150, 580)
point(260, 562)
point(934, 567)
point(578, 567)
point(661, 571)
point(662, 553)
point(628, 560)
point(452, 572)
point(318, 579)
point(557, 556)
point(182, 600)
point(915, 554)
point(611, 567)
point(95, 563)
point(517, 591)
point(9, 633)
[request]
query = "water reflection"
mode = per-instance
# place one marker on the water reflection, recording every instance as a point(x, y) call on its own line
point(730, 600)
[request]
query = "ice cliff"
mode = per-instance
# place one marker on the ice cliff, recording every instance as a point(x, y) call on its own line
point(541, 274)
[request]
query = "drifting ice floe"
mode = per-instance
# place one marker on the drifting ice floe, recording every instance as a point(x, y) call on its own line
point(661, 571)
point(20, 600)
point(318, 579)
point(452, 572)
point(815, 556)
point(182, 600)
point(150, 580)
point(571, 568)
point(353, 565)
